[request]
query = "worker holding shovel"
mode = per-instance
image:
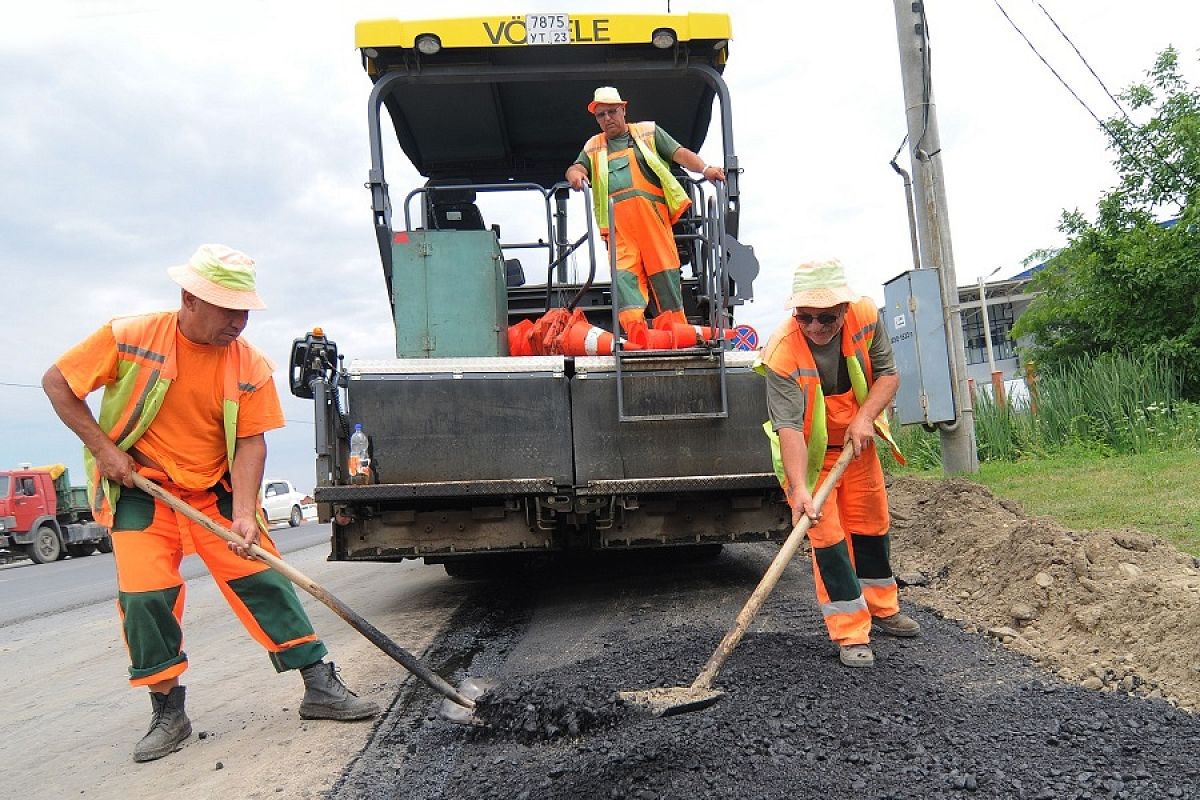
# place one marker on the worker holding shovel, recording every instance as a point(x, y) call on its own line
point(186, 404)
point(830, 377)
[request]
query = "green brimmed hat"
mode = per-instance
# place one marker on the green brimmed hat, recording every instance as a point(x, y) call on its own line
point(220, 275)
point(820, 284)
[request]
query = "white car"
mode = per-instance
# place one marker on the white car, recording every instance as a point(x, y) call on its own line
point(282, 503)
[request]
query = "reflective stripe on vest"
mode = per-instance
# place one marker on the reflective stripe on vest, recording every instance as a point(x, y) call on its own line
point(787, 354)
point(643, 135)
point(146, 366)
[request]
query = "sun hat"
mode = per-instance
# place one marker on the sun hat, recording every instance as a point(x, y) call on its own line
point(820, 284)
point(606, 94)
point(219, 275)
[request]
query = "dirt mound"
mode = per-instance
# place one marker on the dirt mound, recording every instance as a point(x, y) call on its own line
point(1113, 610)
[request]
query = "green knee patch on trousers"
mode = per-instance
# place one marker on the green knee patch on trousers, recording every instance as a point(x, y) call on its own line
point(837, 573)
point(629, 291)
point(151, 631)
point(667, 290)
point(872, 555)
point(272, 602)
point(134, 511)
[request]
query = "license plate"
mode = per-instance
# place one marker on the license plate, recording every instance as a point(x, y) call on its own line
point(547, 29)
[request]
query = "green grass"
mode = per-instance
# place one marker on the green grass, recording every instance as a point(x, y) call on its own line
point(1154, 492)
point(1112, 444)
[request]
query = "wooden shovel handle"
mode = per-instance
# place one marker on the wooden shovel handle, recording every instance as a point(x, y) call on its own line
point(767, 584)
point(373, 634)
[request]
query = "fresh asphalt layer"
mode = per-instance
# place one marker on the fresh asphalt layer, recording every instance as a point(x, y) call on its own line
point(949, 714)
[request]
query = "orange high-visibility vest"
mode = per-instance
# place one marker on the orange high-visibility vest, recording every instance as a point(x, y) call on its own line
point(671, 192)
point(787, 354)
point(146, 366)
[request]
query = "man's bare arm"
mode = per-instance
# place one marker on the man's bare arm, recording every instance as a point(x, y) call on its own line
point(113, 463)
point(793, 449)
point(689, 160)
point(861, 431)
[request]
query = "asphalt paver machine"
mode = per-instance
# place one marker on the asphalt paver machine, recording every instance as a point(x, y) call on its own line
point(476, 454)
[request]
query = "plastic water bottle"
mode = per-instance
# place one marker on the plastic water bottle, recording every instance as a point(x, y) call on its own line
point(360, 456)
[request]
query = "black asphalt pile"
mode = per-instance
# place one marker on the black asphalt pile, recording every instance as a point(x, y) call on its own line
point(529, 711)
point(950, 714)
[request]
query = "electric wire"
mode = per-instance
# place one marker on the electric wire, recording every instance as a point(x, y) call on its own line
point(1142, 135)
point(926, 80)
point(1063, 33)
point(1116, 140)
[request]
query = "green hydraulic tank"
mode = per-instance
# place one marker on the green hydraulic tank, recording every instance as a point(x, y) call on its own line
point(450, 294)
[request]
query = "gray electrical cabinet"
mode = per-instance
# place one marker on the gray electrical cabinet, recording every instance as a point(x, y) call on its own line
point(912, 316)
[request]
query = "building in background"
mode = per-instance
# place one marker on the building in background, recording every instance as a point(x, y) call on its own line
point(1006, 300)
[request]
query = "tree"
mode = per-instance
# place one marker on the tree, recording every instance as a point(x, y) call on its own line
point(1126, 282)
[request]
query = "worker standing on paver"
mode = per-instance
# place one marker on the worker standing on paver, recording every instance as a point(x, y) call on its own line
point(630, 162)
point(186, 404)
point(830, 377)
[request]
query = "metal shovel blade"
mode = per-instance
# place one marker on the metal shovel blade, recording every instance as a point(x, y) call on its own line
point(472, 689)
point(671, 700)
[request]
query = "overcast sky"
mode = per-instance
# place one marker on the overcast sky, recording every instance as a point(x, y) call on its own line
point(131, 132)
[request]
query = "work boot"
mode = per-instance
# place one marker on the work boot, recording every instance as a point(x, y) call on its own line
point(898, 624)
point(326, 697)
point(168, 727)
point(857, 655)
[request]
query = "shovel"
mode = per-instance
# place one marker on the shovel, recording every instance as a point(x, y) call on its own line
point(670, 700)
point(464, 705)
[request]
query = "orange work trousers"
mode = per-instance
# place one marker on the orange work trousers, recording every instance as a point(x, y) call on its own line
point(647, 263)
point(149, 542)
point(850, 544)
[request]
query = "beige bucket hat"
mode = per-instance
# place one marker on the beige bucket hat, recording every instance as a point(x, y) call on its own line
point(820, 284)
point(220, 275)
point(608, 95)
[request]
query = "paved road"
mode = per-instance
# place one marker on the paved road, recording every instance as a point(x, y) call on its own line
point(29, 590)
point(70, 706)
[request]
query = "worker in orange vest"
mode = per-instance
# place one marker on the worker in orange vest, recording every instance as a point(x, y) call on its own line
point(186, 403)
point(630, 162)
point(830, 377)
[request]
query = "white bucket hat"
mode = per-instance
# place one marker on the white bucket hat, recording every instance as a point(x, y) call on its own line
point(220, 275)
point(606, 94)
point(820, 284)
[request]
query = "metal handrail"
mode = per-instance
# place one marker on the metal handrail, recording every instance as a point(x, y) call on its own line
point(492, 187)
point(712, 274)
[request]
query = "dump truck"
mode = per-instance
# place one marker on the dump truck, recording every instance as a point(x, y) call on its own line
point(476, 454)
point(45, 518)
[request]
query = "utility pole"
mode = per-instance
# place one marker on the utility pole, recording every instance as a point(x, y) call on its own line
point(997, 378)
point(959, 455)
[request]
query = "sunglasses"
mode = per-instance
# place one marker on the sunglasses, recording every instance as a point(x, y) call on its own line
point(824, 319)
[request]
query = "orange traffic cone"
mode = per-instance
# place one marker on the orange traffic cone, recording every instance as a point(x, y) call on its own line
point(666, 319)
point(518, 338)
point(581, 338)
point(544, 338)
point(693, 335)
point(657, 340)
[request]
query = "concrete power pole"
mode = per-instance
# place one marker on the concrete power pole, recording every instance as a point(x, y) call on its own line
point(959, 455)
